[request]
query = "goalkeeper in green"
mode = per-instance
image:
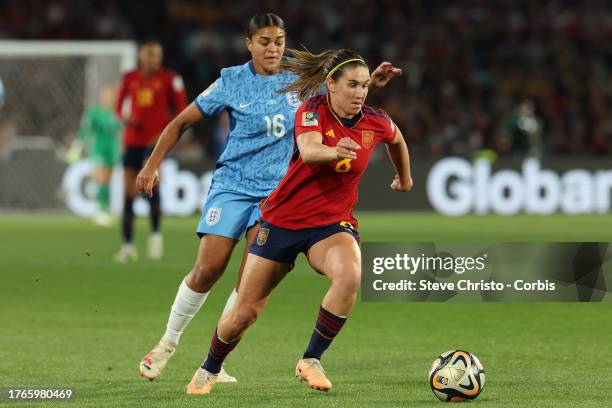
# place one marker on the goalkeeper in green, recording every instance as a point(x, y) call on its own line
point(99, 135)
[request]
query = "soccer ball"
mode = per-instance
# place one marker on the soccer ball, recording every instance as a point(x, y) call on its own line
point(456, 376)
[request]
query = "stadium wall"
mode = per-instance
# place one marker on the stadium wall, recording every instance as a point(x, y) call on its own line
point(451, 186)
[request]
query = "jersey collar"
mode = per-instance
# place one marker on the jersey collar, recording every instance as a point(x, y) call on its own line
point(342, 121)
point(252, 68)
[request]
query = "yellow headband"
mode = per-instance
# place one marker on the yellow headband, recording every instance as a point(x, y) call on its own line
point(341, 64)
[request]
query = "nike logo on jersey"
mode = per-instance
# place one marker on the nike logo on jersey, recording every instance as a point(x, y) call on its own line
point(244, 105)
point(330, 133)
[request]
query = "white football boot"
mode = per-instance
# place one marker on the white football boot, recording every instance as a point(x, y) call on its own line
point(126, 254)
point(224, 377)
point(152, 365)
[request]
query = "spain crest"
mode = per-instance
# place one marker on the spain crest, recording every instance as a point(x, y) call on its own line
point(367, 138)
point(262, 236)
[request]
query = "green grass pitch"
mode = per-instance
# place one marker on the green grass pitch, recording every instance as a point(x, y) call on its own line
point(69, 319)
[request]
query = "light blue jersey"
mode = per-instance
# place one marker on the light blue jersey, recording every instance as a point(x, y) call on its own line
point(260, 141)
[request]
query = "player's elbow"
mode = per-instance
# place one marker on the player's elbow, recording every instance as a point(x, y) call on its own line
point(308, 159)
point(178, 125)
point(306, 153)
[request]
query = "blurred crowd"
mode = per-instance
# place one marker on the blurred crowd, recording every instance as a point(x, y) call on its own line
point(516, 77)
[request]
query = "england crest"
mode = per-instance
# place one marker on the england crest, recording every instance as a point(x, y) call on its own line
point(293, 100)
point(367, 138)
point(213, 216)
point(262, 236)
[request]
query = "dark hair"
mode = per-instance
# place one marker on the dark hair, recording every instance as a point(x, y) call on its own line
point(264, 20)
point(313, 69)
point(150, 41)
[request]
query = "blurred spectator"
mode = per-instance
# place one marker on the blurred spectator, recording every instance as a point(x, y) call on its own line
point(467, 63)
point(522, 132)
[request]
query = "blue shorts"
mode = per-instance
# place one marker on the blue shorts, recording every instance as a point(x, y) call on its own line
point(134, 157)
point(228, 214)
point(284, 245)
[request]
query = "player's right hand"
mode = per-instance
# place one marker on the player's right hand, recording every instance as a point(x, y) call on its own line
point(399, 185)
point(347, 149)
point(146, 180)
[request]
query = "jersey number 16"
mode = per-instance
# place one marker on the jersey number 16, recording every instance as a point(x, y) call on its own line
point(276, 125)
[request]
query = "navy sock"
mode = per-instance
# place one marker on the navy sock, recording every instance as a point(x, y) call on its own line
point(128, 219)
point(217, 353)
point(155, 213)
point(327, 327)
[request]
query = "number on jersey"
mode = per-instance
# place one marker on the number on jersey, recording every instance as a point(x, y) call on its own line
point(276, 125)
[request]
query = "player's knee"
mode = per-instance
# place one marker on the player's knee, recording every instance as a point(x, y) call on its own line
point(204, 275)
point(348, 279)
point(244, 316)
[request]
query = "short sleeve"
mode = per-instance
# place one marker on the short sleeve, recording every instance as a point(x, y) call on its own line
point(214, 99)
point(307, 119)
point(390, 130)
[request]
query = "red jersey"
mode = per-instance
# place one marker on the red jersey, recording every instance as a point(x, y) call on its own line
point(152, 102)
point(314, 195)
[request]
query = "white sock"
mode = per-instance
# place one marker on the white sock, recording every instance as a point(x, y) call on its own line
point(186, 305)
point(231, 301)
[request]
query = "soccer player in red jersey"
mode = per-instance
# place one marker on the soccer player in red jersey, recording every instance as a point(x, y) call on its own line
point(148, 99)
point(311, 209)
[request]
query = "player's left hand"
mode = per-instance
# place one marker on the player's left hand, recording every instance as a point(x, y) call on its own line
point(398, 185)
point(383, 74)
point(146, 180)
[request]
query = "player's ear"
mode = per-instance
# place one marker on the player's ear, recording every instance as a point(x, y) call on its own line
point(249, 44)
point(331, 85)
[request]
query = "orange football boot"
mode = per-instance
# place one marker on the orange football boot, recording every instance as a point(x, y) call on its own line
point(202, 382)
point(310, 370)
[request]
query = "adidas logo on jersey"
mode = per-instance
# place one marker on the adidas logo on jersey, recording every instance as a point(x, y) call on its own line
point(330, 133)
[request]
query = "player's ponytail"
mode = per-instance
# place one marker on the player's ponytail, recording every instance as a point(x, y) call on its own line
point(313, 69)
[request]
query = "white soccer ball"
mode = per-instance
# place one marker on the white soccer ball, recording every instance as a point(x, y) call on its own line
point(456, 375)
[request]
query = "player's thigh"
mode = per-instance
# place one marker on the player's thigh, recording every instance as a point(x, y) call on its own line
point(214, 253)
point(259, 278)
point(338, 257)
point(129, 182)
point(132, 163)
point(250, 237)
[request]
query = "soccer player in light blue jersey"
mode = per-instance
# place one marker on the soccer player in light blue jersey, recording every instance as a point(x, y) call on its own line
point(256, 157)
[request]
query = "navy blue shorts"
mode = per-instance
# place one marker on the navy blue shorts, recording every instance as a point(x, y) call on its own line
point(134, 157)
point(284, 245)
